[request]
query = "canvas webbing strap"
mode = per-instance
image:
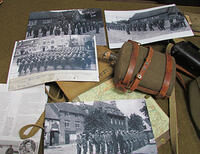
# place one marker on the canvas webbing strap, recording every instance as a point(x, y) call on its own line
point(39, 123)
point(172, 109)
point(173, 122)
point(34, 128)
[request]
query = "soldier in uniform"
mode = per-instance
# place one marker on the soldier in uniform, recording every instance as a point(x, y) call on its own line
point(180, 20)
point(79, 28)
point(31, 65)
point(21, 65)
point(107, 139)
point(73, 26)
point(35, 31)
point(26, 64)
point(97, 27)
point(10, 150)
point(57, 30)
point(51, 28)
point(102, 143)
point(29, 30)
point(84, 143)
point(38, 63)
point(78, 144)
point(115, 143)
point(128, 27)
point(97, 141)
point(65, 29)
point(91, 142)
point(44, 31)
point(150, 24)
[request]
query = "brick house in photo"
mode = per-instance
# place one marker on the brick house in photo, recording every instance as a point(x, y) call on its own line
point(63, 121)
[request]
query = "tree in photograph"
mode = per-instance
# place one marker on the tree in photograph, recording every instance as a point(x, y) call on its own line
point(96, 120)
point(135, 122)
point(144, 111)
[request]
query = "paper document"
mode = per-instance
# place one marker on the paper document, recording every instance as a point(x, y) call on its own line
point(20, 108)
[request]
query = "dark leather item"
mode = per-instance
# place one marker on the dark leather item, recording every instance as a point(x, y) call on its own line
point(194, 103)
point(187, 55)
point(145, 70)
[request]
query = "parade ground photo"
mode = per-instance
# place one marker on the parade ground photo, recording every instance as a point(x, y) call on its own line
point(67, 22)
point(145, 26)
point(98, 127)
point(46, 59)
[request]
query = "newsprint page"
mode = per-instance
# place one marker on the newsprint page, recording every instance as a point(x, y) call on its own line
point(106, 127)
point(53, 58)
point(145, 26)
point(20, 108)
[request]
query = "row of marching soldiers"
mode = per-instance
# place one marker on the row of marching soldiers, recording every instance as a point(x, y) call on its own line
point(64, 27)
point(151, 23)
point(71, 57)
point(110, 142)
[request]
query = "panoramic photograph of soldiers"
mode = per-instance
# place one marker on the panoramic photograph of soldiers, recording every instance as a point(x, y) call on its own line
point(67, 22)
point(98, 127)
point(145, 26)
point(71, 57)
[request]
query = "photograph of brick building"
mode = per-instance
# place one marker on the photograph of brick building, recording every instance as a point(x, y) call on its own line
point(93, 127)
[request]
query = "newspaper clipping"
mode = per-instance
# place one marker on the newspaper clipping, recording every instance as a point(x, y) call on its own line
point(20, 108)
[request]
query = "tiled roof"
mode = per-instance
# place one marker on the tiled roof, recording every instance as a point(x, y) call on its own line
point(71, 108)
point(109, 108)
point(50, 113)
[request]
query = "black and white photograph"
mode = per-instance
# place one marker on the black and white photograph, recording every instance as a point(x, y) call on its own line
point(67, 22)
point(145, 26)
point(98, 127)
point(60, 58)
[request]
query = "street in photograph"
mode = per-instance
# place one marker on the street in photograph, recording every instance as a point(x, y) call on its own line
point(99, 127)
point(145, 26)
point(67, 22)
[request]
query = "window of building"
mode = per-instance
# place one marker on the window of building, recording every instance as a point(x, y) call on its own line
point(67, 114)
point(67, 124)
point(111, 121)
point(77, 124)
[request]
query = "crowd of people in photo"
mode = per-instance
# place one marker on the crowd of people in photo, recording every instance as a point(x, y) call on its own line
point(67, 58)
point(110, 142)
point(151, 23)
point(63, 27)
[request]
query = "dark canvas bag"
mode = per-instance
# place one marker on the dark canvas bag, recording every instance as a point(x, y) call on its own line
point(194, 103)
point(141, 68)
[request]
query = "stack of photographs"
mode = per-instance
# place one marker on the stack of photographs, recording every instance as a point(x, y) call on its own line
point(106, 127)
point(60, 45)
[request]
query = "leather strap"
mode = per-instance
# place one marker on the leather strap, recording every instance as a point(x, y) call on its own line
point(132, 63)
point(173, 122)
point(124, 84)
point(140, 75)
point(185, 71)
point(180, 78)
point(168, 75)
